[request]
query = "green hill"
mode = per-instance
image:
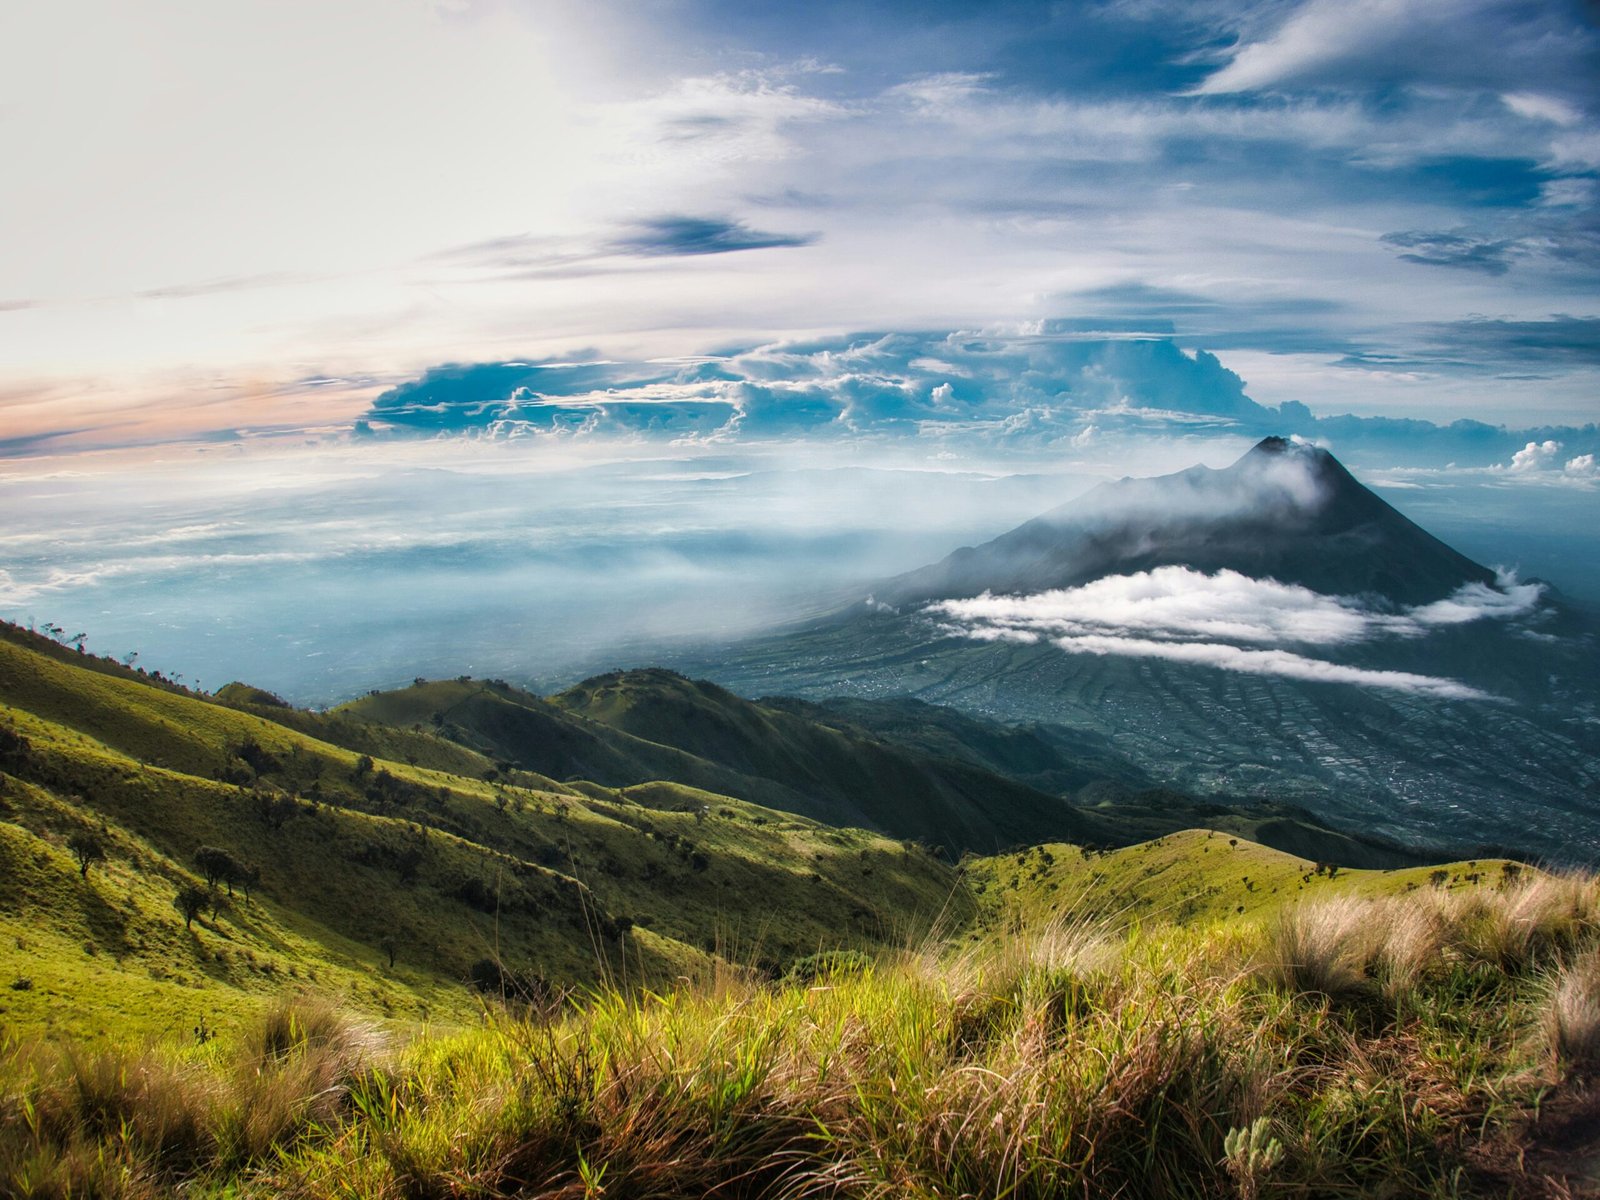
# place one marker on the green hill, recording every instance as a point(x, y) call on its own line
point(358, 854)
point(1197, 876)
point(905, 769)
point(709, 996)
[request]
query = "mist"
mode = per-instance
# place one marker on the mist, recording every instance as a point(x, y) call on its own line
point(321, 572)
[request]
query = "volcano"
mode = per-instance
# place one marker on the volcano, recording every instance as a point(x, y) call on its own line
point(1160, 619)
point(1287, 511)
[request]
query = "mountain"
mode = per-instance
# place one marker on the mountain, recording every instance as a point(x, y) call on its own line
point(1272, 630)
point(1287, 511)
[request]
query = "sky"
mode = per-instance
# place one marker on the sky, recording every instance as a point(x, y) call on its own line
point(294, 262)
point(260, 215)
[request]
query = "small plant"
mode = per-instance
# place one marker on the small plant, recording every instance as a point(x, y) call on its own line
point(1573, 1016)
point(1252, 1153)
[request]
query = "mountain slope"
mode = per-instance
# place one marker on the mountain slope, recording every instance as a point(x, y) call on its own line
point(357, 855)
point(629, 728)
point(1284, 511)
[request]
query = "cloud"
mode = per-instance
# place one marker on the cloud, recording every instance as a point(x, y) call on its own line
point(1045, 386)
point(1535, 456)
point(1525, 50)
point(1537, 107)
point(1583, 465)
point(1272, 662)
point(1462, 251)
point(1187, 616)
point(1178, 603)
point(1559, 339)
point(676, 235)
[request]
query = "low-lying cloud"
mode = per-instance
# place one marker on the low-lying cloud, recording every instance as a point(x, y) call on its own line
point(1224, 620)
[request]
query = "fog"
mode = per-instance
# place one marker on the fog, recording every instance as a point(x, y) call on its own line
point(321, 571)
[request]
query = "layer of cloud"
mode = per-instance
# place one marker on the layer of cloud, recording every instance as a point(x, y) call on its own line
point(1225, 619)
point(1058, 384)
point(1461, 251)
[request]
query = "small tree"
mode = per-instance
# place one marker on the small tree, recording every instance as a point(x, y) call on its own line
point(218, 866)
point(191, 901)
point(87, 848)
point(389, 946)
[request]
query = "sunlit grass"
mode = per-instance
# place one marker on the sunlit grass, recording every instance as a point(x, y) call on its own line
point(1356, 1050)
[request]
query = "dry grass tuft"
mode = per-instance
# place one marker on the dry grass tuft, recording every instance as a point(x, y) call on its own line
point(1572, 1016)
point(1323, 949)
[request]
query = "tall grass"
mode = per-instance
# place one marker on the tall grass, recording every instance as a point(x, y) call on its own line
point(1371, 1047)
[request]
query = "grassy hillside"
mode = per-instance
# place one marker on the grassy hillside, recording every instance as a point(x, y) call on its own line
point(1197, 875)
point(357, 856)
point(636, 726)
point(455, 945)
point(1383, 1047)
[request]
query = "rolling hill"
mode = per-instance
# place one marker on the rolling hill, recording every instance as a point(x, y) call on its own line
point(358, 856)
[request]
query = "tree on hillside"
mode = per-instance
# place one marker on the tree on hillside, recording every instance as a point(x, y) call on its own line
point(87, 848)
point(274, 807)
point(191, 901)
point(218, 866)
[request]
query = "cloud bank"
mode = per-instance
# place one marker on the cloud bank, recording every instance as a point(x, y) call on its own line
point(1060, 384)
point(1184, 615)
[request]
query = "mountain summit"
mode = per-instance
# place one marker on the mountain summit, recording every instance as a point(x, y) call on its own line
point(1286, 510)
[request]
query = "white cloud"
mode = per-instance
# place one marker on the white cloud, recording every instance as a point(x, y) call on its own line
point(1272, 662)
point(1180, 603)
point(1582, 465)
point(1316, 36)
point(1536, 107)
point(1535, 456)
point(1183, 615)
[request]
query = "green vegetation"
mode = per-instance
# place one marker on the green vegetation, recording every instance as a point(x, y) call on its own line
point(241, 855)
point(1196, 875)
point(500, 984)
point(1424, 1044)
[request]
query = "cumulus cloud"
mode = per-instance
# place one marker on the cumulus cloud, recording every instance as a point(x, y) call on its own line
point(1535, 456)
point(1047, 385)
point(1187, 616)
point(1583, 465)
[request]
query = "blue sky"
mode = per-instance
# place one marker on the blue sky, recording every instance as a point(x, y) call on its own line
point(514, 317)
point(261, 215)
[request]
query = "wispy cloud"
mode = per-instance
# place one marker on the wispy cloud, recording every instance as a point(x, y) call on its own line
point(677, 235)
point(1187, 616)
point(1461, 251)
